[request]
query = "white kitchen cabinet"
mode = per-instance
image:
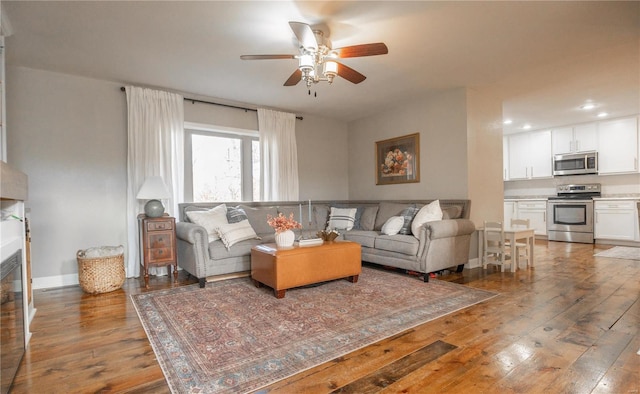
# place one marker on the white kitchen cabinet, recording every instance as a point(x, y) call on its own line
point(536, 212)
point(530, 155)
point(580, 138)
point(618, 146)
point(615, 219)
point(509, 212)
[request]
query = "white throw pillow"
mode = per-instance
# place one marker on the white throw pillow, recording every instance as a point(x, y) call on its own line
point(232, 233)
point(342, 218)
point(429, 213)
point(393, 225)
point(210, 220)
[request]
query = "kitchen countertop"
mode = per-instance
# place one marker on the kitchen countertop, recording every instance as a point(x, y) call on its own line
point(604, 197)
point(618, 197)
point(539, 198)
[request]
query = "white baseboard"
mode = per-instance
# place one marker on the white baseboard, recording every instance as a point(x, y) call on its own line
point(473, 263)
point(55, 281)
point(50, 282)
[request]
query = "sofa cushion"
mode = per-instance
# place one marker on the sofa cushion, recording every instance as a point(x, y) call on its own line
point(342, 218)
point(408, 214)
point(258, 218)
point(320, 216)
point(428, 213)
point(210, 219)
point(232, 233)
point(368, 218)
point(405, 244)
point(218, 251)
point(386, 210)
point(364, 238)
point(393, 225)
point(452, 212)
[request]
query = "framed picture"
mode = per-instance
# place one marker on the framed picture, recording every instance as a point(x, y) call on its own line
point(398, 160)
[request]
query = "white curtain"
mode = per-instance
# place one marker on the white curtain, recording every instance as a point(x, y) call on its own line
point(155, 147)
point(279, 155)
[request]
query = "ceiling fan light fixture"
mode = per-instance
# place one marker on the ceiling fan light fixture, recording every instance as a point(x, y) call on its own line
point(317, 61)
point(306, 64)
point(330, 69)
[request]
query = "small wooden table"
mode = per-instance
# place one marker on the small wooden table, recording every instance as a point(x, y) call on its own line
point(512, 234)
point(157, 244)
point(283, 269)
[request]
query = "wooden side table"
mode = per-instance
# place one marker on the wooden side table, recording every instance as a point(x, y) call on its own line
point(157, 244)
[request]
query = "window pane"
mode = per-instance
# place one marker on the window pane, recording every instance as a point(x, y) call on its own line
point(217, 168)
point(255, 168)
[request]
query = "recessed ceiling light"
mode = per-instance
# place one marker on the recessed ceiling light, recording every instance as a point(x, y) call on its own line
point(526, 126)
point(603, 115)
point(507, 121)
point(587, 106)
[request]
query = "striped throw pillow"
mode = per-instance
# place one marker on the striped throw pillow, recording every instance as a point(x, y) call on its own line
point(342, 218)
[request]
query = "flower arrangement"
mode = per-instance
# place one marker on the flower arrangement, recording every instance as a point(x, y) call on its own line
point(282, 223)
point(396, 162)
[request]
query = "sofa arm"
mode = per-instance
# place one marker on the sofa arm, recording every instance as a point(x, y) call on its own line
point(193, 248)
point(191, 232)
point(449, 228)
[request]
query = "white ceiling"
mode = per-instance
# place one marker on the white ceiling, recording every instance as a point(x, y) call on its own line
point(544, 59)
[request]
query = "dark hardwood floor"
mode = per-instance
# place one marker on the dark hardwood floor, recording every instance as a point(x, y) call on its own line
point(569, 325)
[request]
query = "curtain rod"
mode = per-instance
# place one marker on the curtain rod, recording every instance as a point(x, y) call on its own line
point(193, 101)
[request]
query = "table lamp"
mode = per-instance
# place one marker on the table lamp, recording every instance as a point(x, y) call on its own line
point(153, 189)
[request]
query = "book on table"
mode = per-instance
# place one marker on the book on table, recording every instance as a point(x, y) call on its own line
point(310, 241)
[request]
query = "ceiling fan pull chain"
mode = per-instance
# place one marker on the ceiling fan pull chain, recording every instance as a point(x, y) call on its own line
point(315, 94)
point(309, 92)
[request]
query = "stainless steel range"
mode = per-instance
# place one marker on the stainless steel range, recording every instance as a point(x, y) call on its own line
point(570, 213)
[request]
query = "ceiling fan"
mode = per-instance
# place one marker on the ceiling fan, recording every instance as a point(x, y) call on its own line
point(318, 60)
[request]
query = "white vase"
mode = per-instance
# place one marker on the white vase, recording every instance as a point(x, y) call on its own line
point(285, 239)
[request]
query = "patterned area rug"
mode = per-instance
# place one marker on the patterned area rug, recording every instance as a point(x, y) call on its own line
point(232, 337)
point(621, 252)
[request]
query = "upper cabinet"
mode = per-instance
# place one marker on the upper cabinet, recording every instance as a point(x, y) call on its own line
point(618, 146)
point(530, 155)
point(581, 138)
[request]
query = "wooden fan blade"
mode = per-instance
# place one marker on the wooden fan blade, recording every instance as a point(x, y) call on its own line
point(350, 74)
point(294, 78)
point(305, 35)
point(264, 57)
point(378, 48)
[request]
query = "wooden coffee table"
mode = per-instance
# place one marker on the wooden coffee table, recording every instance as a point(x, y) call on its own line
point(283, 269)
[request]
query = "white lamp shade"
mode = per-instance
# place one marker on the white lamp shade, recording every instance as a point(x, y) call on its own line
point(153, 188)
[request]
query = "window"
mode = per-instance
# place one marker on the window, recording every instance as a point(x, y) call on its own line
point(221, 164)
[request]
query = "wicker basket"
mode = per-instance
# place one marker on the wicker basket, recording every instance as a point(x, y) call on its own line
point(100, 274)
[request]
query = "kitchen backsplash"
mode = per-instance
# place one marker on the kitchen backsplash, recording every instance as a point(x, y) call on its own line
point(612, 185)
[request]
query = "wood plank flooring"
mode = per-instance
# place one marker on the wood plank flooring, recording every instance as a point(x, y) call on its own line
point(569, 325)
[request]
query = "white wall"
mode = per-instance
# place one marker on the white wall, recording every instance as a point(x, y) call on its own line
point(68, 134)
point(484, 156)
point(441, 120)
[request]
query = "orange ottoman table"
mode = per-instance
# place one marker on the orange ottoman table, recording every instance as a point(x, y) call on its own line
point(283, 269)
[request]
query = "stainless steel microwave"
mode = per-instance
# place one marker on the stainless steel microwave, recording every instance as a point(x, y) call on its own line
point(575, 163)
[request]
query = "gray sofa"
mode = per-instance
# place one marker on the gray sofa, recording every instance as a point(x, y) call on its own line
point(439, 245)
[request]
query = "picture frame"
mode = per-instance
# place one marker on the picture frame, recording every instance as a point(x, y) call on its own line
point(398, 160)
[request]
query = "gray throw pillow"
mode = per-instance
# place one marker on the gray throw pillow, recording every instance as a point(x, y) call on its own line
point(236, 214)
point(408, 214)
